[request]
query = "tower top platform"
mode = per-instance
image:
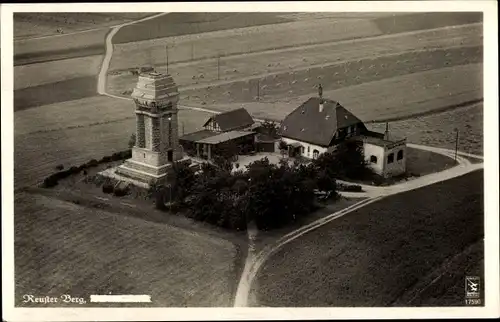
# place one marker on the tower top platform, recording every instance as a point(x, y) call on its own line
point(154, 86)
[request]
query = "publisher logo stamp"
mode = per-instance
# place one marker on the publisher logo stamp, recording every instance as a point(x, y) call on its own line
point(472, 290)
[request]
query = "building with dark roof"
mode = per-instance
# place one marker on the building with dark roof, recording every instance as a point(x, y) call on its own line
point(233, 120)
point(319, 124)
point(231, 130)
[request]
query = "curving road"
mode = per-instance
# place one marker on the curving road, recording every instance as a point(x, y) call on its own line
point(255, 261)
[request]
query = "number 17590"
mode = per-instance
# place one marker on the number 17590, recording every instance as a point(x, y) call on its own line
point(473, 302)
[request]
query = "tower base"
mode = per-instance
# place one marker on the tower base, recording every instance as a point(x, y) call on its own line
point(145, 173)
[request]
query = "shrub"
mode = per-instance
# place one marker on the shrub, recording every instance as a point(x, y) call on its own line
point(92, 163)
point(107, 188)
point(120, 192)
point(59, 167)
point(50, 181)
point(131, 141)
point(349, 187)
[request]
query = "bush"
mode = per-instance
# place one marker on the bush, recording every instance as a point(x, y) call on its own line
point(107, 188)
point(131, 141)
point(50, 181)
point(59, 167)
point(92, 163)
point(349, 187)
point(120, 192)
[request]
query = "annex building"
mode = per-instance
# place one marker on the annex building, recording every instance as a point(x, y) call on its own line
point(233, 129)
point(319, 124)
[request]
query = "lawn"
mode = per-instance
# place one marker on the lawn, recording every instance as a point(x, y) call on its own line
point(421, 162)
point(238, 41)
point(425, 20)
point(269, 63)
point(373, 255)
point(63, 248)
point(74, 132)
point(391, 98)
point(61, 91)
point(183, 23)
point(31, 24)
point(55, 71)
point(31, 51)
point(67, 45)
point(439, 129)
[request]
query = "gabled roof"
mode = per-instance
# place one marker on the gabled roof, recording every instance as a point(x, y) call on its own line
point(308, 124)
point(231, 120)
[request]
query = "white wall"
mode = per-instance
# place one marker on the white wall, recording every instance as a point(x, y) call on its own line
point(377, 151)
point(383, 167)
point(397, 166)
point(308, 148)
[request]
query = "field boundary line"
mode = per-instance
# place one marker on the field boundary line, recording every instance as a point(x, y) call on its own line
point(316, 44)
point(69, 34)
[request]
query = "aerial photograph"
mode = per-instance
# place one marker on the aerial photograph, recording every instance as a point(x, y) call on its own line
point(248, 159)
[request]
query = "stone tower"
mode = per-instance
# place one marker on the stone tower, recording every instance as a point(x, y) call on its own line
point(157, 141)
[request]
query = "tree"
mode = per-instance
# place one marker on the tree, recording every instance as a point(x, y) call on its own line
point(184, 180)
point(270, 128)
point(283, 147)
point(131, 141)
point(325, 181)
point(351, 160)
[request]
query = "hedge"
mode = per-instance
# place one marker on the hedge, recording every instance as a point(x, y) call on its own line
point(349, 187)
point(53, 179)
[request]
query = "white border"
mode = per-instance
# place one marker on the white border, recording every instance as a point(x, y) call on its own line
point(126, 314)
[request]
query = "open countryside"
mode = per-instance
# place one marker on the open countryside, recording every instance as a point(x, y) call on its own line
point(421, 73)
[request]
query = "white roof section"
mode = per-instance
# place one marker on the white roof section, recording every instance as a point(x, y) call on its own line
point(223, 137)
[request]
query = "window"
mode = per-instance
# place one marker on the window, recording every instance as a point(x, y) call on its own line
point(390, 158)
point(373, 159)
point(302, 149)
point(308, 149)
point(400, 154)
point(315, 154)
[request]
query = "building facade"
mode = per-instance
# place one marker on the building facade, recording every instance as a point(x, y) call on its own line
point(318, 125)
point(221, 134)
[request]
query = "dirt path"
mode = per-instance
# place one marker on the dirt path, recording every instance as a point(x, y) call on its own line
point(255, 261)
point(101, 80)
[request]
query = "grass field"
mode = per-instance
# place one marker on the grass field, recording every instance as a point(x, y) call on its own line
point(439, 129)
point(182, 23)
point(421, 162)
point(389, 98)
point(333, 76)
point(63, 248)
point(425, 20)
point(270, 63)
point(56, 71)
point(259, 38)
point(237, 41)
point(62, 91)
point(31, 24)
point(31, 51)
point(74, 132)
point(373, 255)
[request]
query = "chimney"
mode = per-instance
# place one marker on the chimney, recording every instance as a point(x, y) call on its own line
point(386, 134)
point(321, 106)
